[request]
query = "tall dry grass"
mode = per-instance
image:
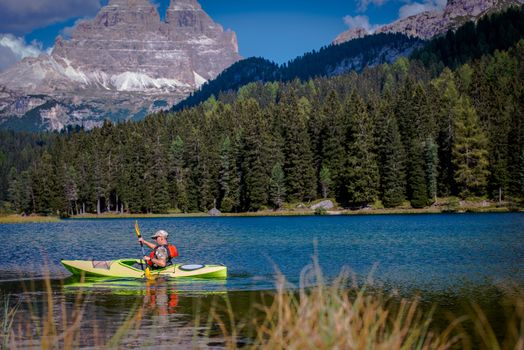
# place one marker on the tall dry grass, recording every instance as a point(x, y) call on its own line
point(319, 314)
point(54, 325)
point(343, 315)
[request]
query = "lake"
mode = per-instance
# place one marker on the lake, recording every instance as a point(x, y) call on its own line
point(443, 257)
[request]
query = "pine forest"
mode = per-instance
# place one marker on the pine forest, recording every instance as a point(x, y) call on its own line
point(407, 132)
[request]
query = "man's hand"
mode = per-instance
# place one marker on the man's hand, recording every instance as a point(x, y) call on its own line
point(141, 240)
point(146, 258)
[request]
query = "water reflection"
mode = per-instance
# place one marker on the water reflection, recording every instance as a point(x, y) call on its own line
point(160, 299)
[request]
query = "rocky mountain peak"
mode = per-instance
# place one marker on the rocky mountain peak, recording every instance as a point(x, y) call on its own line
point(353, 33)
point(184, 5)
point(428, 24)
point(128, 53)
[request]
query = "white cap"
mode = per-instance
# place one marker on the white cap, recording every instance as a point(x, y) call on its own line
point(160, 233)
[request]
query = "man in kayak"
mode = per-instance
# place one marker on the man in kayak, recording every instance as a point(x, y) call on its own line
point(161, 252)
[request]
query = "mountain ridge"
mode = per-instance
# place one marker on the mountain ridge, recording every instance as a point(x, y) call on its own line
point(428, 24)
point(125, 53)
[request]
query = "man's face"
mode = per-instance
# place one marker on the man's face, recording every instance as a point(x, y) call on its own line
point(161, 240)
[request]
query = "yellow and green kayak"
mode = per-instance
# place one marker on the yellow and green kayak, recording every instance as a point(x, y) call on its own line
point(131, 268)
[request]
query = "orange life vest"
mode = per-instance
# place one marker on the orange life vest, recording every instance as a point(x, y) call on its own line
point(171, 251)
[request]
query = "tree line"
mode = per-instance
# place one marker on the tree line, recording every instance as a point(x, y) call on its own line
point(393, 133)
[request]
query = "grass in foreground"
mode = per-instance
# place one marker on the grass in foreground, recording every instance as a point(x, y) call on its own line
point(319, 315)
point(335, 316)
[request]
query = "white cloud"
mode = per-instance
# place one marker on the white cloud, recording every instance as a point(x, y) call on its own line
point(363, 4)
point(415, 8)
point(359, 22)
point(13, 49)
point(23, 16)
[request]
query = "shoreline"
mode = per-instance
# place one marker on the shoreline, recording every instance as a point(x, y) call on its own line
point(18, 219)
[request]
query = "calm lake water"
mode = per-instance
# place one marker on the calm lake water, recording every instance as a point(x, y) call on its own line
point(442, 257)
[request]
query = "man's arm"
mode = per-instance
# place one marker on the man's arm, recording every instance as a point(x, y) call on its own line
point(158, 262)
point(149, 245)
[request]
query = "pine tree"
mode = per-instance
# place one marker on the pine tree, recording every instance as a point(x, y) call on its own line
point(392, 160)
point(431, 163)
point(178, 184)
point(325, 181)
point(516, 146)
point(361, 167)
point(417, 187)
point(228, 180)
point(159, 178)
point(298, 159)
point(445, 98)
point(71, 190)
point(277, 187)
point(333, 146)
point(14, 191)
point(469, 151)
point(255, 178)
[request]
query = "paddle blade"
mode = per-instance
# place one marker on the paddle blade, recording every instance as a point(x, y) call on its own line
point(137, 230)
point(149, 275)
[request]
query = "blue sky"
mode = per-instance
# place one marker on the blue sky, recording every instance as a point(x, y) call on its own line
point(276, 30)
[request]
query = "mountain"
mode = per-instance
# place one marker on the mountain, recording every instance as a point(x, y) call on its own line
point(125, 61)
point(428, 24)
point(328, 61)
point(497, 31)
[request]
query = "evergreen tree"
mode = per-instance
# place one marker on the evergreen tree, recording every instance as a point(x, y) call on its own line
point(431, 158)
point(417, 187)
point(178, 188)
point(392, 155)
point(333, 147)
point(71, 190)
point(298, 159)
point(361, 169)
point(159, 178)
point(469, 151)
point(229, 180)
point(325, 181)
point(446, 99)
point(516, 146)
point(277, 187)
point(14, 191)
point(255, 178)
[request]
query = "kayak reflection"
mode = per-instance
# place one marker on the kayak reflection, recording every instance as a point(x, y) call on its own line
point(161, 297)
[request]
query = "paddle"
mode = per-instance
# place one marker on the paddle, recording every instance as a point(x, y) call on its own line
point(147, 272)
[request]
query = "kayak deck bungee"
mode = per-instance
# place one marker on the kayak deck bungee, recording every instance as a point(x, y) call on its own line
point(130, 268)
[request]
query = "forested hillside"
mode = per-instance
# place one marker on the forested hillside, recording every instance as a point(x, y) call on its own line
point(18, 151)
point(392, 133)
point(328, 61)
point(498, 31)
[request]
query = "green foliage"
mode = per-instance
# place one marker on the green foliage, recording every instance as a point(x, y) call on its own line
point(496, 32)
point(277, 187)
point(452, 205)
point(470, 156)
point(321, 211)
point(431, 161)
point(392, 163)
point(246, 75)
point(391, 134)
point(325, 181)
point(361, 170)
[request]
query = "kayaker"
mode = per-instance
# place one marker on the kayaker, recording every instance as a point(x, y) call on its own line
point(162, 252)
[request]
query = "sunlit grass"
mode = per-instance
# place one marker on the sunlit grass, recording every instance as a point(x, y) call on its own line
point(317, 314)
point(343, 315)
point(19, 219)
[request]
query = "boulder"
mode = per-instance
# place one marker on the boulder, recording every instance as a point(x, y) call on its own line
point(327, 204)
point(214, 212)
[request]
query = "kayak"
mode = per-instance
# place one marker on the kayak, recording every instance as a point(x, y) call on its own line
point(131, 268)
